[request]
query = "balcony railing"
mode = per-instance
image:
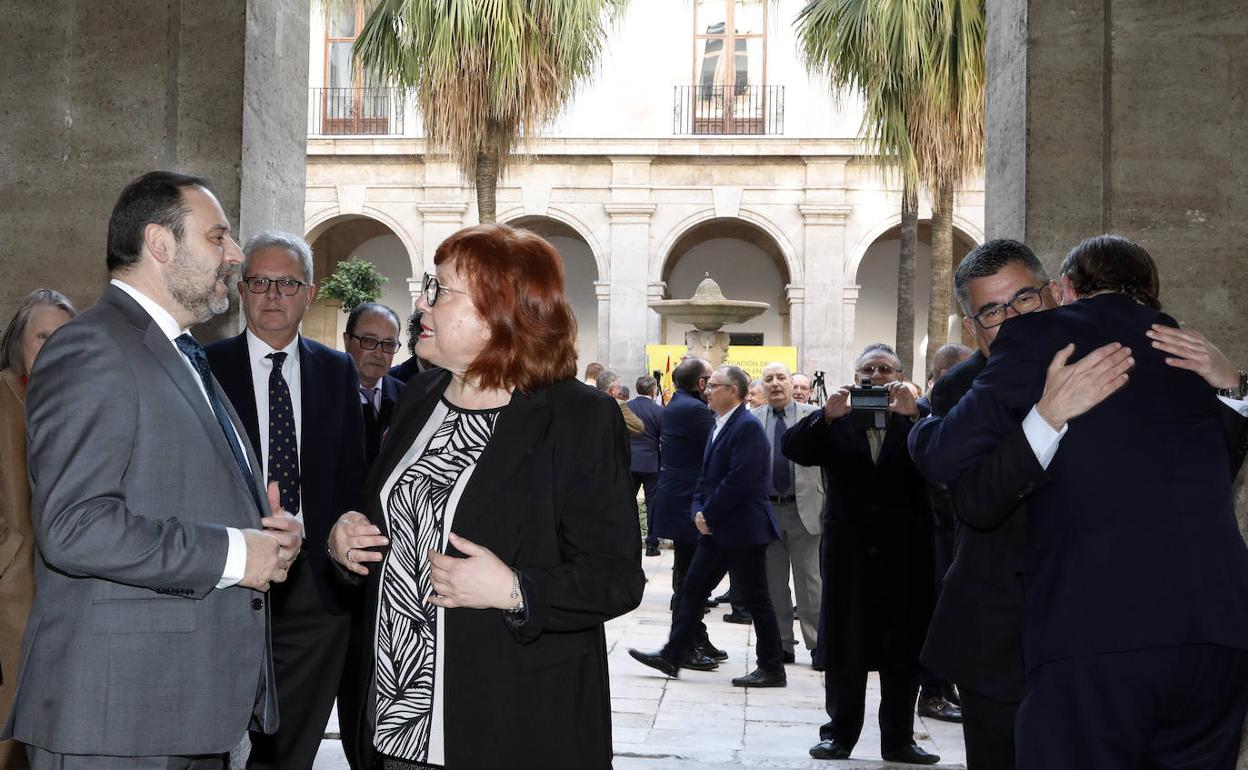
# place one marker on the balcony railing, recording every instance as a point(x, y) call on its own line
point(729, 109)
point(355, 111)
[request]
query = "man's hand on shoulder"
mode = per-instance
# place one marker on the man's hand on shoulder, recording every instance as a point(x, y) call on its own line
point(1072, 389)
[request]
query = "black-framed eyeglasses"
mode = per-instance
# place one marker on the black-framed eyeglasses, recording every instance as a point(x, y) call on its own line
point(1025, 301)
point(369, 342)
point(432, 289)
point(258, 284)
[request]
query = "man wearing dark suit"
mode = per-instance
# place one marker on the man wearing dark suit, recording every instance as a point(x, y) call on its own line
point(1131, 659)
point(413, 365)
point(877, 561)
point(299, 401)
point(147, 645)
point(645, 463)
point(731, 512)
point(371, 339)
point(683, 431)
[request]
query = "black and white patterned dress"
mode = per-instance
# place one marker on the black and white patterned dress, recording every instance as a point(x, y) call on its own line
point(419, 502)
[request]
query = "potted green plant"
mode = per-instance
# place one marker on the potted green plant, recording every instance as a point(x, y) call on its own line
point(353, 282)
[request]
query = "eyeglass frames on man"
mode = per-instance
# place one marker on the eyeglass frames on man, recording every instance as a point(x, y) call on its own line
point(369, 342)
point(870, 370)
point(1025, 301)
point(258, 284)
point(432, 289)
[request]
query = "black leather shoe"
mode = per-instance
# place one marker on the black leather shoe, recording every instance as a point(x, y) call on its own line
point(705, 647)
point(652, 550)
point(789, 657)
point(656, 661)
point(721, 599)
point(740, 618)
point(938, 708)
point(829, 749)
point(818, 667)
point(761, 678)
point(698, 662)
point(911, 755)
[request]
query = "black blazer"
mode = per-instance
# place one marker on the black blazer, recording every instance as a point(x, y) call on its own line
point(975, 638)
point(646, 445)
point(377, 423)
point(735, 481)
point(331, 443)
point(1137, 521)
point(876, 552)
point(684, 430)
point(552, 497)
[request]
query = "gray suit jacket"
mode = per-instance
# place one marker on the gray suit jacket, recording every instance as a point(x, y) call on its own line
point(807, 481)
point(130, 649)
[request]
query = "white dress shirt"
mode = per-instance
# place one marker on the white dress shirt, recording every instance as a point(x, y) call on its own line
point(1044, 440)
point(236, 558)
point(720, 421)
point(261, 368)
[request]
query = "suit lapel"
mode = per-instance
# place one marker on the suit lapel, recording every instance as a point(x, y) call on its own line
point(236, 382)
point(314, 420)
point(519, 429)
point(710, 445)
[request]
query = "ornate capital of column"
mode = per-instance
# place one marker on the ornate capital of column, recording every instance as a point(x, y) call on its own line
point(825, 213)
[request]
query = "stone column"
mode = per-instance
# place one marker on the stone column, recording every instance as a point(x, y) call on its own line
point(630, 316)
point(843, 372)
point(602, 290)
point(796, 297)
point(654, 322)
point(824, 337)
point(439, 220)
point(99, 93)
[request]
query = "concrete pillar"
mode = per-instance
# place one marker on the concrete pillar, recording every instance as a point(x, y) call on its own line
point(656, 290)
point(1126, 116)
point(99, 93)
point(824, 334)
point(630, 211)
point(602, 290)
point(795, 331)
point(439, 220)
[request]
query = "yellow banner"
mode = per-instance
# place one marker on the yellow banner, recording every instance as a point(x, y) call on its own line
point(664, 358)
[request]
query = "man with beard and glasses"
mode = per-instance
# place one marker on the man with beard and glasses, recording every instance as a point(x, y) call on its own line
point(147, 646)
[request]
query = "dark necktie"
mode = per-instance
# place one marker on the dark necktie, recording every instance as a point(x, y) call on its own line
point(781, 479)
point(191, 348)
point(372, 425)
point(283, 447)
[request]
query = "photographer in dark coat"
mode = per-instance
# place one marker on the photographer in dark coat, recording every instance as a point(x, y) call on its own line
point(877, 561)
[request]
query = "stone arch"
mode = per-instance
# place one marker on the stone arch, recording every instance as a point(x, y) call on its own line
point(317, 224)
point(659, 266)
point(573, 222)
point(968, 230)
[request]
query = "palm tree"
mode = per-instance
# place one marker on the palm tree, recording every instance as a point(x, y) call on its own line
point(486, 73)
point(918, 65)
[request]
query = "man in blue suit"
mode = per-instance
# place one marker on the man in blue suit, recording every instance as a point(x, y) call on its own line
point(734, 518)
point(1135, 629)
point(300, 404)
point(645, 447)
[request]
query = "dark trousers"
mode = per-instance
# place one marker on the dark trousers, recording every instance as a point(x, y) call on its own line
point(930, 685)
point(1159, 708)
point(309, 650)
point(988, 728)
point(350, 702)
point(710, 564)
point(646, 482)
point(845, 698)
point(682, 558)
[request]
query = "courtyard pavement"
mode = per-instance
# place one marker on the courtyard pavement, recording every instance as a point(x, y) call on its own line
point(700, 721)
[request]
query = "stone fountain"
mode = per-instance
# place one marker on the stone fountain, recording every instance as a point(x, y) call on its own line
point(708, 310)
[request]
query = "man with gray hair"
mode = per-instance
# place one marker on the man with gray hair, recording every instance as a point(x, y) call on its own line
point(797, 498)
point(609, 382)
point(736, 523)
point(300, 403)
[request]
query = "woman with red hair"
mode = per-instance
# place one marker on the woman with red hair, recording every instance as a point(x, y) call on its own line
point(500, 530)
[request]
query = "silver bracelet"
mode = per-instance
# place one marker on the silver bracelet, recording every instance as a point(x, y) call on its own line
point(516, 595)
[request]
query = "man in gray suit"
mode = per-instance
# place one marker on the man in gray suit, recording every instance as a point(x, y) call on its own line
point(147, 645)
point(797, 498)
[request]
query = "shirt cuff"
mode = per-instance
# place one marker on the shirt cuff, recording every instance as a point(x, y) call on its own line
point(235, 559)
point(1041, 437)
point(1240, 406)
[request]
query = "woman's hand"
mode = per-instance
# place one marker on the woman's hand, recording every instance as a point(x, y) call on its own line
point(1188, 349)
point(480, 581)
point(349, 540)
